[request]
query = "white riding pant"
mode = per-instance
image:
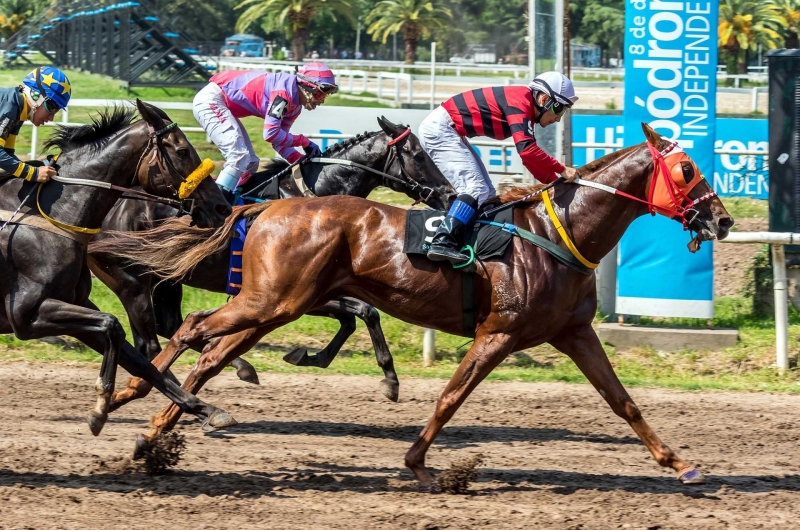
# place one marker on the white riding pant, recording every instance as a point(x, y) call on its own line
point(454, 156)
point(226, 131)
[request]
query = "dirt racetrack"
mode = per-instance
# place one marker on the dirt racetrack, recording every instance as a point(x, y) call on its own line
point(327, 452)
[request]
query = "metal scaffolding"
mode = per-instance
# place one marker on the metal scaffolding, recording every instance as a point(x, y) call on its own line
point(126, 41)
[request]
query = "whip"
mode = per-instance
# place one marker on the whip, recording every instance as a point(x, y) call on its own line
point(28, 196)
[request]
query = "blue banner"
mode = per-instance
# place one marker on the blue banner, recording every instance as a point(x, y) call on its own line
point(734, 175)
point(670, 83)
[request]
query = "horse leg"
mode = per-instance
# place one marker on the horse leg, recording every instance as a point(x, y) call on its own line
point(322, 359)
point(486, 353)
point(208, 365)
point(345, 309)
point(586, 351)
point(137, 387)
point(100, 331)
point(138, 366)
point(167, 297)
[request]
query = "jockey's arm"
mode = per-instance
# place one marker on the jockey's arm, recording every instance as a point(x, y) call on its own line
point(8, 160)
point(277, 124)
point(541, 165)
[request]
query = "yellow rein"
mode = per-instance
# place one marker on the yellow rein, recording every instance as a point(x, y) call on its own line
point(205, 168)
point(59, 224)
point(570, 245)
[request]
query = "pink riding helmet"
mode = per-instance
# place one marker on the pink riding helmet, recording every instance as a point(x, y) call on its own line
point(318, 76)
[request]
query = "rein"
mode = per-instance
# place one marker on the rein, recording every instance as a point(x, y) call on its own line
point(680, 204)
point(410, 183)
point(184, 205)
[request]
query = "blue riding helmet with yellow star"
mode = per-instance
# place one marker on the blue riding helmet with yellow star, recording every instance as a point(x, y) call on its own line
point(51, 83)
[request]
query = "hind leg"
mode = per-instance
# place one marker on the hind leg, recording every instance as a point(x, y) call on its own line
point(209, 365)
point(345, 309)
point(586, 351)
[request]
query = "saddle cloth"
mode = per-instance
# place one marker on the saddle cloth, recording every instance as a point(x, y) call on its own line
point(488, 241)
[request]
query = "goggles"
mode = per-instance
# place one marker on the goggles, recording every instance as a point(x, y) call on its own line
point(326, 88)
point(50, 106)
point(558, 108)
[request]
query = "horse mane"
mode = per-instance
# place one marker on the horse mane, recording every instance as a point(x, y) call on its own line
point(348, 143)
point(106, 123)
point(584, 172)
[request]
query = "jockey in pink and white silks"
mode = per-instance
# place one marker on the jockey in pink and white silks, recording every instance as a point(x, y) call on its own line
point(278, 98)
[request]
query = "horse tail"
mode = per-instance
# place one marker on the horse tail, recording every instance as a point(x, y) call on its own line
point(173, 249)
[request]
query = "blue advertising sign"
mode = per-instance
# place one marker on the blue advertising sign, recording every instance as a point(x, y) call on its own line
point(741, 175)
point(670, 83)
point(735, 175)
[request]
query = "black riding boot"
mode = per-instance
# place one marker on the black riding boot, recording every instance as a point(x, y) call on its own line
point(449, 237)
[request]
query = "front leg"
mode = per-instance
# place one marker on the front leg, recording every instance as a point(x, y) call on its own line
point(486, 353)
point(581, 344)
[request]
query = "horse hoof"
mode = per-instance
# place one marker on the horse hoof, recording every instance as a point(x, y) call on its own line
point(245, 372)
point(390, 389)
point(219, 420)
point(296, 356)
point(428, 487)
point(96, 422)
point(691, 477)
point(142, 446)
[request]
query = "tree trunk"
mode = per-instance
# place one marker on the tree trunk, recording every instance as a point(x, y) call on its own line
point(741, 62)
point(792, 40)
point(411, 37)
point(299, 38)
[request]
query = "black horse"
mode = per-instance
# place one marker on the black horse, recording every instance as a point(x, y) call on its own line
point(44, 274)
point(392, 157)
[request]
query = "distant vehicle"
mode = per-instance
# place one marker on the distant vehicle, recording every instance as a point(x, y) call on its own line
point(467, 59)
point(243, 45)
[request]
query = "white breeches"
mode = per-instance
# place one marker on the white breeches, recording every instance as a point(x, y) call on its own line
point(226, 131)
point(454, 156)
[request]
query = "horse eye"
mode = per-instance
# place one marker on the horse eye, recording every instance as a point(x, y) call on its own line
point(183, 152)
point(688, 171)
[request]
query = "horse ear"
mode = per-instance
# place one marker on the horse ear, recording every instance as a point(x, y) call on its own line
point(652, 136)
point(388, 127)
point(149, 115)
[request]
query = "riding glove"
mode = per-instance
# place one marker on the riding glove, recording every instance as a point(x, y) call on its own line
point(312, 150)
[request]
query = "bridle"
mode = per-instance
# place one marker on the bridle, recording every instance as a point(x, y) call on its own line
point(183, 203)
point(666, 196)
point(395, 154)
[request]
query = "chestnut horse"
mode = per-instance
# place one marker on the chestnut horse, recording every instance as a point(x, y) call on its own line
point(302, 252)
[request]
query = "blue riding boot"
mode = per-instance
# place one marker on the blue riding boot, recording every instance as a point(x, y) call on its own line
point(449, 237)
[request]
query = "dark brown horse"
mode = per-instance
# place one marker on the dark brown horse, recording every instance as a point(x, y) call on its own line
point(44, 277)
point(526, 298)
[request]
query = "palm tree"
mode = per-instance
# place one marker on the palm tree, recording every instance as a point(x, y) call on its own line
point(14, 14)
point(415, 18)
point(274, 14)
point(743, 25)
point(790, 11)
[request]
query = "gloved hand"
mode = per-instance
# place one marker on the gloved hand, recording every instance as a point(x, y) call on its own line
point(569, 174)
point(312, 150)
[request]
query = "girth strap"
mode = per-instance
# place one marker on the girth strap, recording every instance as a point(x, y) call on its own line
point(27, 219)
point(545, 244)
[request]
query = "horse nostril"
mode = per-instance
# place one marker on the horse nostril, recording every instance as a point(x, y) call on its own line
point(725, 222)
point(224, 209)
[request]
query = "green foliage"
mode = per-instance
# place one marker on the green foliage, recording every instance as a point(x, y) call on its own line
point(603, 23)
point(416, 19)
point(292, 16)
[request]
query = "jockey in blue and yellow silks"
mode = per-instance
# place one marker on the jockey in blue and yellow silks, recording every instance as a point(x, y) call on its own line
point(43, 92)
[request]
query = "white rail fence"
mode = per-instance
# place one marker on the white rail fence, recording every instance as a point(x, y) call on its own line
point(398, 87)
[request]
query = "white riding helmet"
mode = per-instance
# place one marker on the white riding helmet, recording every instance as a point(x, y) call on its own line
point(556, 85)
